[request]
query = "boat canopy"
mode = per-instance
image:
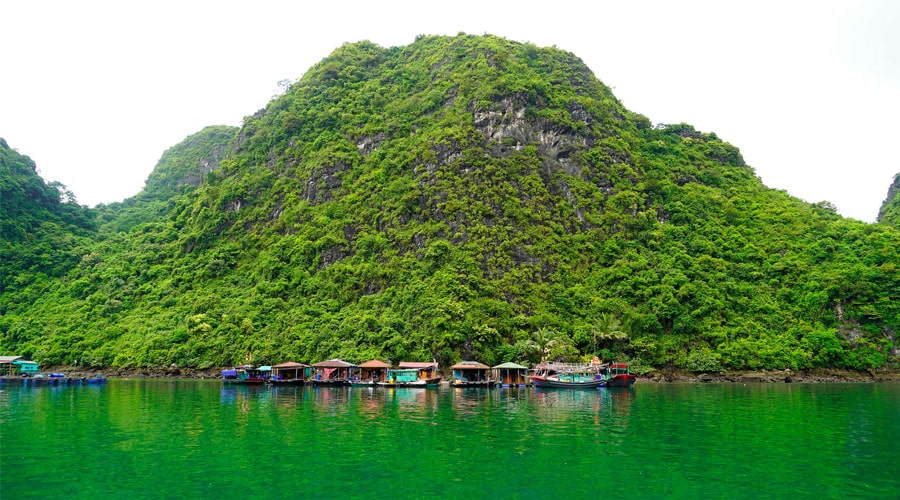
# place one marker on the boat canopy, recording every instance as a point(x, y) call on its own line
point(570, 367)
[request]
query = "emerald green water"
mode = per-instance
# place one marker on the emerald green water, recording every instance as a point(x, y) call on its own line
point(198, 439)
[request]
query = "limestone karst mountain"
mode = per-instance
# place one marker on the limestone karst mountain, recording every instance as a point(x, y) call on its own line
point(461, 197)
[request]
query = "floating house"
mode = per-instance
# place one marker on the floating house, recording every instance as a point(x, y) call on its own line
point(17, 365)
point(332, 372)
point(7, 367)
point(371, 372)
point(471, 374)
point(510, 375)
point(424, 370)
point(413, 374)
point(290, 373)
point(247, 375)
point(401, 376)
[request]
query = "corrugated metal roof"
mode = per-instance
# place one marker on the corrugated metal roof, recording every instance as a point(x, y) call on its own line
point(418, 365)
point(470, 365)
point(290, 364)
point(511, 366)
point(9, 359)
point(333, 363)
point(375, 363)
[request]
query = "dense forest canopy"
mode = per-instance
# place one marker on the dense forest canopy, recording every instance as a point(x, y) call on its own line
point(890, 209)
point(461, 197)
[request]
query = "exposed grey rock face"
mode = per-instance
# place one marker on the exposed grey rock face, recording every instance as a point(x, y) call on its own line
point(507, 129)
point(890, 209)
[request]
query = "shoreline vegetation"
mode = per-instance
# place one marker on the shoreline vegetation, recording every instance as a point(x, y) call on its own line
point(824, 375)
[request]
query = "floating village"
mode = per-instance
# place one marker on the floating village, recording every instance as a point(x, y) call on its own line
point(376, 373)
point(416, 374)
point(17, 369)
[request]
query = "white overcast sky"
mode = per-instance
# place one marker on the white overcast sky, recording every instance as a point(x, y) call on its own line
point(95, 91)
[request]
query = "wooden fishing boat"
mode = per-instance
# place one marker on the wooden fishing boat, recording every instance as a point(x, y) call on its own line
point(584, 376)
point(569, 376)
point(619, 375)
point(567, 381)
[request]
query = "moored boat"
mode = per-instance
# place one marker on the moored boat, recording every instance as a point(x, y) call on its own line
point(246, 375)
point(564, 382)
point(472, 374)
point(412, 374)
point(619, 375)
point(582, 376)
point(569, 376)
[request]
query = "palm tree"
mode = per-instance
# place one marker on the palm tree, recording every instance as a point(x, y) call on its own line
point(543, 340)
point(608, 328)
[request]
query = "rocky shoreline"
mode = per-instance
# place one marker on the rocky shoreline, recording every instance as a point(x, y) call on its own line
point(777, 376)
point(153, 372)
point(657, 376)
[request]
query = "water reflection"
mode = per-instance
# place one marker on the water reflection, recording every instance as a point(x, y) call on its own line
point(464, 401)
point(602, 401)
point(400, 403)
point(467, 401)
point(288, 396)
point(330, 401)
point(172, 439)
point(242, 394)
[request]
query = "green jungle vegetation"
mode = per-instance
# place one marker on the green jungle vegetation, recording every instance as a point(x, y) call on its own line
point(463, 197)
point(890, 209)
